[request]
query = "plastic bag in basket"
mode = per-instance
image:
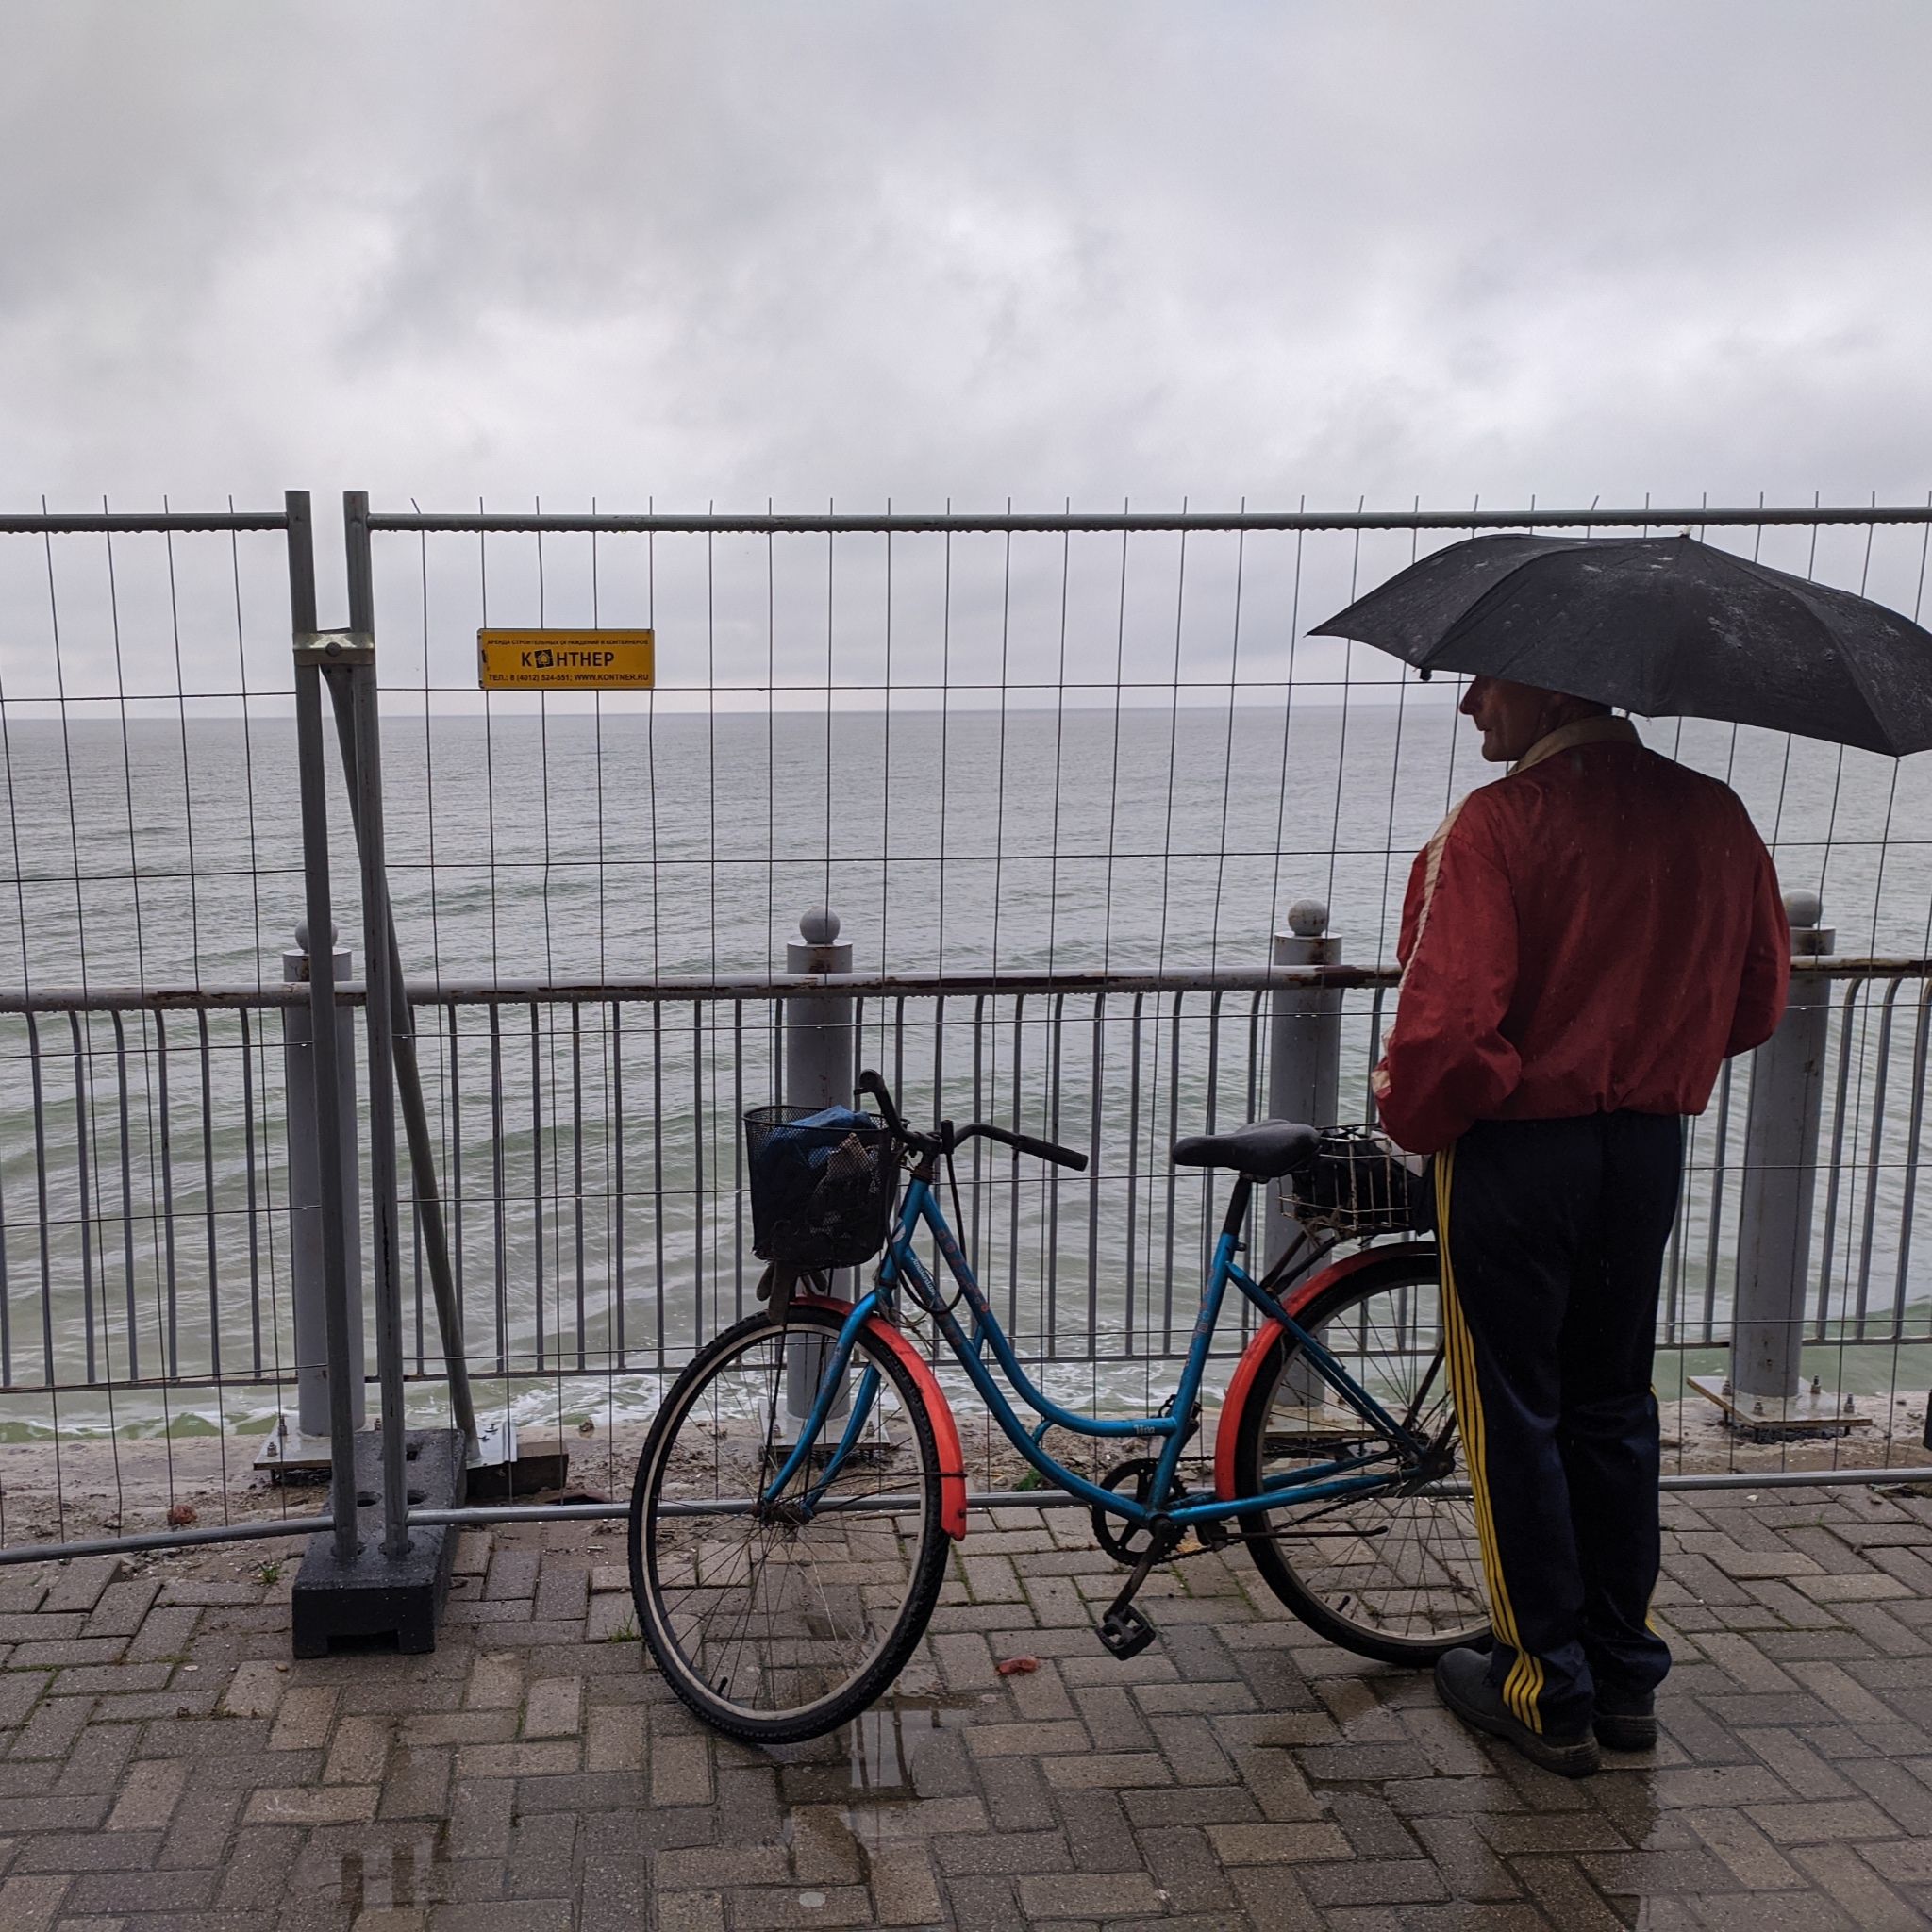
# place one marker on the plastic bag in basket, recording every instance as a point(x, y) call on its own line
point(822, 1186)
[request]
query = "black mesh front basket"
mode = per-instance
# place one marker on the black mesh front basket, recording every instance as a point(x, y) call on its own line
point(1360, 1186)
point(821, 1196)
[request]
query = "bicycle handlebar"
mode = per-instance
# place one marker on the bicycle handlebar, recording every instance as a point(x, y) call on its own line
point(870, 1082)
point(1026, 1143)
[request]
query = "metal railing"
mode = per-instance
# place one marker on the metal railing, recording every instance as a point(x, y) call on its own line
point(594, 1181)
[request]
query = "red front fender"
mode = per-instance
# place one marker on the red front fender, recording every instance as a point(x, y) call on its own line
point(945, 1431)
point(1243, 1380)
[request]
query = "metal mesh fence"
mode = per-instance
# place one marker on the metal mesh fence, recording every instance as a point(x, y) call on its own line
point(1061, 785)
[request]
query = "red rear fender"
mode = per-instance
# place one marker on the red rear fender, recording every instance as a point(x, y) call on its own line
point(945, 1430)
point(1242, 1381)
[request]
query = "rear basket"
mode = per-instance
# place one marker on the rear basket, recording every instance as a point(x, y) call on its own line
point(821, 1196)
point(1359, 1184)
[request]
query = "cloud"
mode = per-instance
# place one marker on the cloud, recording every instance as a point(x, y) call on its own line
point(854, 250)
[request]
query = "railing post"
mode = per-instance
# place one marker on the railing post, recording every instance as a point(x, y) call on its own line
point(819, 1073)
point(312, 1413)
point(327, 1023)
point(1304, 1051)
point(1780, 1170)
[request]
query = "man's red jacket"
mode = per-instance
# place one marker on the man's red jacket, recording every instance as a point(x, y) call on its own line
point(1598, 929)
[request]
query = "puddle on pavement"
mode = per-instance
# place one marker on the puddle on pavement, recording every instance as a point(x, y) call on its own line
point(874, 1759)
point(385, 1877)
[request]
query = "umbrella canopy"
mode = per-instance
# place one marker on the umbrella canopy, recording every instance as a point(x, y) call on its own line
point(1661, 627)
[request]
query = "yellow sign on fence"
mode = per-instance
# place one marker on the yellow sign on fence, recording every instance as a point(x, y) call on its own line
point(565, 660)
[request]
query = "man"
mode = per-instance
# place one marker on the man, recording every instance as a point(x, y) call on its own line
point(1583, 943)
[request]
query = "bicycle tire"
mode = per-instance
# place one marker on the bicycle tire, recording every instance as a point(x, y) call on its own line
point(772, 1628)
point(1408, 1586)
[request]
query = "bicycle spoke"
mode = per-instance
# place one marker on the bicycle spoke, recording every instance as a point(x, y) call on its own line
point(1409, 1580)
point(768, 1610)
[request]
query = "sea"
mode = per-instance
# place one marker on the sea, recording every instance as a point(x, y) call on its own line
point(574, 848)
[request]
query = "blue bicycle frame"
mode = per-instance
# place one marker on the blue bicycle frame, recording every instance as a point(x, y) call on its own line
point(900, 1268)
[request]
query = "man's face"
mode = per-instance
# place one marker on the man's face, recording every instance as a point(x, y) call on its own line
point(1509, 716)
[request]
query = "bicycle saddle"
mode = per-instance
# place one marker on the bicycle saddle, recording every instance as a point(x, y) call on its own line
point(1262, 1150)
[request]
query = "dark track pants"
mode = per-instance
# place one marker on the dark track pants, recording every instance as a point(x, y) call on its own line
point(1554, 1235)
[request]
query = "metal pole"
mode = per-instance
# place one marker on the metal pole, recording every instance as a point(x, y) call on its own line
point(313, 1380)
point(378, 1021)
point(819, 1046)
point(409, 1073)
point(1780, 1171)
point(313, 777)
point(356, 665)
point(1304, 1051)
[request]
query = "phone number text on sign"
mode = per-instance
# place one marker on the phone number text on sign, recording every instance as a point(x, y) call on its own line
point(565, 660)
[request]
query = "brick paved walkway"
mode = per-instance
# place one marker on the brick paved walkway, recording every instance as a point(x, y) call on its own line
point(167, 1766)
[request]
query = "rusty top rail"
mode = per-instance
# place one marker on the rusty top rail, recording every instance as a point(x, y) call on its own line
point(778, 985)
point(1701, 517)
point(117, 523)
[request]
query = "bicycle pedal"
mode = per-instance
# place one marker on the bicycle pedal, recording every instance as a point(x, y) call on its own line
point(1125, 1632)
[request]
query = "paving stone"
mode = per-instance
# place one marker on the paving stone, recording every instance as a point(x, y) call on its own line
point(554, 1707)
point(333, 1805)
point(1242, 1772)
point(303, 1718)
point(79, 1582)
point(513, 1572)
point(1850, 1880)
point(1088, 1895)
point(680, 1771)
point(200, 1829)
point(120, 1609)
point(358, 1751)
point(29, 1903)
point(1752, 1859)
point(77, 1650)
point(163, 1633)
point(256, 1690)
point(95, 1763)
point(905, 1891)
point(1567, 1897)
point(51, 1731)
point(1278, 1844)
point(1010, 1852)
point(562, 1591)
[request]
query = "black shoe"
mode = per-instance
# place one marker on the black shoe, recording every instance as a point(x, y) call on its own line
point(1462, 1682)
point(1626, 1719)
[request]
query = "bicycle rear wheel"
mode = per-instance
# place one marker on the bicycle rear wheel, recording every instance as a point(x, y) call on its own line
point(1386, 1574)
point(778, 1619)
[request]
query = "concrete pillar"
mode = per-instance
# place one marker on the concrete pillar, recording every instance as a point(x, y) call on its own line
point(305, 1199)
point(819, 1068)
point(1780, 1172)
point(1304, 1051)
point(818, 1045)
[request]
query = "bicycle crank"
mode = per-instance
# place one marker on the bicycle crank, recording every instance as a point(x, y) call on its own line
point(1127, 1542)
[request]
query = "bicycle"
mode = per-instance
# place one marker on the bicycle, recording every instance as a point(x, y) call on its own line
point(803, 1479)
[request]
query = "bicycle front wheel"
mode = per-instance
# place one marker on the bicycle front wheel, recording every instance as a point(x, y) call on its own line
point(775, 1618)
point(1385, 1573)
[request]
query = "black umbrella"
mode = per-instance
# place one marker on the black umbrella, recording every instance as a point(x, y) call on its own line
point(1661, 627)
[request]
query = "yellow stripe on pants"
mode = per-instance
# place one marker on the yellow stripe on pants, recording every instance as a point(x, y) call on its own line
point(1523, 1687)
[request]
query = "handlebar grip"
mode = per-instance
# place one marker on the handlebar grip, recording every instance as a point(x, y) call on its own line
point(870, 1082)
point(1041, 1150)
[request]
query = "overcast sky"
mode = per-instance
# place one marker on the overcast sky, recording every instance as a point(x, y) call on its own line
point(733, 252)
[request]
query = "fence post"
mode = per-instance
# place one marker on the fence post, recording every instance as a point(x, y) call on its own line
point(328, 1022)
point(304, 1211)
point(1780, 1168)
point(1304, 1050)
point(353, 693)
point(818, 1071)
